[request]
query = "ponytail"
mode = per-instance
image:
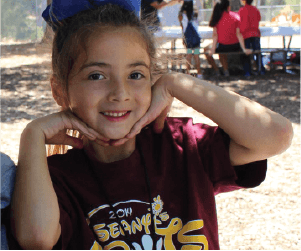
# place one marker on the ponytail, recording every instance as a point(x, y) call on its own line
point(218, 10)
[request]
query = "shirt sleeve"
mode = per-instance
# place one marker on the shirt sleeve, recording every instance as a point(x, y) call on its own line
point(213, 146)
point(8, 175)
point(243, 20)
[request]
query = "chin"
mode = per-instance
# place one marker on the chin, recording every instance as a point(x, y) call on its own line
point(115, 135)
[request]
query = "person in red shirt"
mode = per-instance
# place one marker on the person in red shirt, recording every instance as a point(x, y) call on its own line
point(249, 28)
point(226, 35)
point(134, 178)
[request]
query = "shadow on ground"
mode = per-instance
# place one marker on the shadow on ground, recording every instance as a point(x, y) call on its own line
point(276, 90)
point(25, 93)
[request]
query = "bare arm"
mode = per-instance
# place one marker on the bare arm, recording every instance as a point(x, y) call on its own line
point(256, 132)
point(242, 42)
point(34, 205)
point(159, 6)
point(35, 208)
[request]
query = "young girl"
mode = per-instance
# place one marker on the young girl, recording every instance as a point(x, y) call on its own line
point(7, 180)
point(125, 184)
point(192, 39)
point(226, 35)
point(249, 27)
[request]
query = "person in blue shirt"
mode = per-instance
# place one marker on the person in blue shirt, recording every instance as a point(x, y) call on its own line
point(7, 178)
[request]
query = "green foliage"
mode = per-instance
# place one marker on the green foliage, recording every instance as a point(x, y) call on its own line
point(18, 20)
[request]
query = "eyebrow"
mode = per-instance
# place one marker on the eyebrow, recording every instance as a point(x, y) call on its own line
point(105, 65)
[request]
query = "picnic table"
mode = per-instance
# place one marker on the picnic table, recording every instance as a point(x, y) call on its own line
point(174, 33)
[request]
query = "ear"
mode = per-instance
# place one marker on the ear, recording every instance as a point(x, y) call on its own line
point(58, 93)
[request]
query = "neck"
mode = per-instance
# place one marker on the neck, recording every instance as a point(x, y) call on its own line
point(108, 154)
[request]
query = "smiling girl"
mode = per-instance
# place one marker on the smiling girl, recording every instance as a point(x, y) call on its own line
point(125, 184)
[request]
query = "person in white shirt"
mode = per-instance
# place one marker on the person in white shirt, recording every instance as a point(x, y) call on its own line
point(188, 17)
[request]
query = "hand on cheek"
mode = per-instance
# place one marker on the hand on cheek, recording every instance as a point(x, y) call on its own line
point(157, 112)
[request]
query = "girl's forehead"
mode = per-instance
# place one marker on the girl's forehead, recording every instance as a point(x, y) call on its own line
point(125, 34)
point(108, 41)
point(113, 47)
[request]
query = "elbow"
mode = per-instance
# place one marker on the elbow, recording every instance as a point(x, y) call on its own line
point(35, 243)
point(36, 240)
point(284, 137)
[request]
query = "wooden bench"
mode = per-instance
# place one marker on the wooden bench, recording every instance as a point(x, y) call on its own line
point(175, 60)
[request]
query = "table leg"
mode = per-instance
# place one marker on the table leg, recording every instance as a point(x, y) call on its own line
point(173, 51)
point(289, 43)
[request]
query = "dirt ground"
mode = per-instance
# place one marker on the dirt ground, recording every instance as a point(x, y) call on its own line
point(267, 217)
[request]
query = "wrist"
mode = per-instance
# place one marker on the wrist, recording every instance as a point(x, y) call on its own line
point(170, 80)
point(32, 131)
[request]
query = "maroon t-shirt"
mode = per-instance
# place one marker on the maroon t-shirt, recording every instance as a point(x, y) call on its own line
point(187, 165)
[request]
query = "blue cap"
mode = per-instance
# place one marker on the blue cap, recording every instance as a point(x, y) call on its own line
point(59, 10)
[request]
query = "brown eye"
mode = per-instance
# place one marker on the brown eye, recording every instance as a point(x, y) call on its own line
point(136, 76)
point(96, 76)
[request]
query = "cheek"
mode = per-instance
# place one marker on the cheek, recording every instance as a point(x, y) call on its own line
point(83, 107)
point(82, 96)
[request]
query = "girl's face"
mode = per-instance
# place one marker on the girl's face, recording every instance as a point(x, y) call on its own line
point(109, 86)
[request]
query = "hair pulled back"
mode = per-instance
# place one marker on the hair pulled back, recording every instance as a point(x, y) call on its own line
point(71, 34)
point(218, 10)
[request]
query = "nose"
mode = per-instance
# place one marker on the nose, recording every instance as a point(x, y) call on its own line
point(119, 91)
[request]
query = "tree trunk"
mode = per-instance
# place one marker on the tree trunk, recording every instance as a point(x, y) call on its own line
point(235, 5)
point(0, 22)
point(48, 30)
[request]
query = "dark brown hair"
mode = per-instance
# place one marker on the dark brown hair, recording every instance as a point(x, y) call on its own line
point(219, 8)
point(71, 34)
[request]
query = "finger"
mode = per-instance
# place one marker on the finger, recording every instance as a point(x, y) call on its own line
point(83, 128)
point(101, 142)
point(138, 126)
point(118, 142)
point(74, 142)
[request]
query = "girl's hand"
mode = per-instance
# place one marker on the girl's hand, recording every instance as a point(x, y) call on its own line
point(54, 128)
point(248, 51)
point(159, 107)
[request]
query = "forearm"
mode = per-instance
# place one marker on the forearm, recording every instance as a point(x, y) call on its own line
point(34, 205)
point(246, 122)
point(241, 41)
point(163, 4)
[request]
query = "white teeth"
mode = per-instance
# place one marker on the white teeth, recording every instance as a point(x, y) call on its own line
point(114, 114)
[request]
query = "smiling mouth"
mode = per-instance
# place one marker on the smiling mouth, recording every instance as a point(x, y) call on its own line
point(115, 114)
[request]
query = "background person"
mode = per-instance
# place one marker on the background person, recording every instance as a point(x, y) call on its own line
point(249, 28)
point(149, 9)
point(188, 17)
point(8, 175)
point(226, 35)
